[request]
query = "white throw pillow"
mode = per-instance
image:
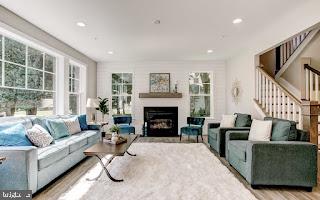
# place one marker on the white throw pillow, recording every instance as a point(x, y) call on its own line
point(73, 125)
point(39, 136)
point(228, 121)
point(260, 130)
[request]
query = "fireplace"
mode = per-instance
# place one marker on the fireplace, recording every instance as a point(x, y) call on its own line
point(161, 121)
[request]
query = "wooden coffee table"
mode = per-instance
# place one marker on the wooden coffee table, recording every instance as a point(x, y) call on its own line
point(101, 149)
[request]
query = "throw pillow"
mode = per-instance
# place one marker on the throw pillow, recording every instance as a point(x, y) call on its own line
point(260, 130)
point(41, 122)
point(73, 125)
point(243, 120)
point(13, 135)
point(83, 122)
point(228, 121)
point(57, 128)
point(39, 136)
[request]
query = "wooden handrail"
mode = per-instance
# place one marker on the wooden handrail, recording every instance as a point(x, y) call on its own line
point(306, 66)
point(287, 93)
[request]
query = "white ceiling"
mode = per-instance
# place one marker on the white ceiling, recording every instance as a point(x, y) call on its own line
point(188, 27)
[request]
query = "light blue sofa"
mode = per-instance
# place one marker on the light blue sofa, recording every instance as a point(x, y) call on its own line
point(31, 168)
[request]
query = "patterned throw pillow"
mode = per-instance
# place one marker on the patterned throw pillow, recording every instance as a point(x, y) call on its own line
point(73, 125)
point(39, 136)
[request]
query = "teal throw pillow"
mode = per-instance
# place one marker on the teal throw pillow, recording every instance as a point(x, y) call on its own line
point(243, 120)
point(57, 128)
point(83, 122)
point(14, 135)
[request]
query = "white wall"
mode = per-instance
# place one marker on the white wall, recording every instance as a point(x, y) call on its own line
point(178, 72)
point(242, 66)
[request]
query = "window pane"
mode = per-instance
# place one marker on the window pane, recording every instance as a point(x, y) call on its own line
point(121, 105)
point(15, 75)
point(200, 106)
point(127, 78)
point(127, 89)
point(116, 89)
point(35, 58)
point(15, 51)
point(194, 89)
point(205, 89)
point(205, 77)
point(73, 104)
point(126, 107)
point(49, 81)
point(50, 63)
point(76, 72)
point(116, 78)
point(0, 46)
point(17, 102)
point(70, 70)
point(35, 79)
point(75, 85)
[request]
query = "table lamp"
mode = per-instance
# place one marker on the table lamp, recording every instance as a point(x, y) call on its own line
point(92, 104)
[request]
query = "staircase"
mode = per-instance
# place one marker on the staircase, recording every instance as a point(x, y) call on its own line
point(288, 51)
point(275, 101)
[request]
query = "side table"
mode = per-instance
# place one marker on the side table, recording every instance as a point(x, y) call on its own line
point(100, 125)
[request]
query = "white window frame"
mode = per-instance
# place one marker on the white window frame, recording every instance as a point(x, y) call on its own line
point(122, 95)
point(210, 95)
point(82, 86)
point(6, 34)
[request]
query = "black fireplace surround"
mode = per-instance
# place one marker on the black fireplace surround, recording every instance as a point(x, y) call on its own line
point(161, 121)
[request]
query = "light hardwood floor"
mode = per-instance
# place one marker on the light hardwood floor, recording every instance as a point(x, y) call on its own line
point(61, 184)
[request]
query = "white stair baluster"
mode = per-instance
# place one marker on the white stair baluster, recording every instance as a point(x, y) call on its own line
point(279, 103)
point(260, 88)
point(283, 109)
point(307, 84)
point(263, 91)
point(267, 95)
point(300, 125)
point(288, 109)
point(317, 87)
point(274, 100)
point(311, 92)
point(294, 112)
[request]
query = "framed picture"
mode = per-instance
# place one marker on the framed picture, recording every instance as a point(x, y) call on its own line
point(159, 82)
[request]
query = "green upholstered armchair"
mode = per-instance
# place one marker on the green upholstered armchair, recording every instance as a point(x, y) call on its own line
point(216, 134)
point(287, 160)
point(194, 127)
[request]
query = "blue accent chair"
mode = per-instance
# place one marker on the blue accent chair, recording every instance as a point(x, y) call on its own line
point(123, 122)
point(194, 127)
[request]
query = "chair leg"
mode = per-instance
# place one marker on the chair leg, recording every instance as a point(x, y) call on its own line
point(201, 138)
point(197, 139)
point(180, 136)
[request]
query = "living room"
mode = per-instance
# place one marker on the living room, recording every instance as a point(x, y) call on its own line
point(159, 100)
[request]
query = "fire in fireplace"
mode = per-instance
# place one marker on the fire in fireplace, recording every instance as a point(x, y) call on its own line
point(161, 121)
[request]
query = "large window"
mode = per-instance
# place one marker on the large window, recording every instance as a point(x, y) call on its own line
point(74, 89)
point(200, 94)
point(27, 79)
point(121, 93)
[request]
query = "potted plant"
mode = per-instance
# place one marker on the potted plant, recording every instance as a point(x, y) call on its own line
point(103, 106)
point(115, 133)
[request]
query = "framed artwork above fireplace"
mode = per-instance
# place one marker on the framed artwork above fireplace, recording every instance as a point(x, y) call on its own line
point(160, 82)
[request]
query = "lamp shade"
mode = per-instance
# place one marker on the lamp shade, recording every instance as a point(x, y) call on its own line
point(92, 103)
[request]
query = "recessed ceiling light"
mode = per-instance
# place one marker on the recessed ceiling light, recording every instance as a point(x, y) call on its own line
point(157, 21)
point(237, 21)
point(81, 24)
point(110, 52)
point(210, 51)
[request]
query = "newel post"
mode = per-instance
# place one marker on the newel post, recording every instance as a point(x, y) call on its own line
point(310, 111)
point(303, 83)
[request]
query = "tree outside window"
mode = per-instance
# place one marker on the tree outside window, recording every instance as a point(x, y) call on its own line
point(200, 94)
point(122, 93)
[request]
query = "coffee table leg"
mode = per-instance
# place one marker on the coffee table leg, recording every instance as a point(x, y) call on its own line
point(104, 167)
point(131, 154)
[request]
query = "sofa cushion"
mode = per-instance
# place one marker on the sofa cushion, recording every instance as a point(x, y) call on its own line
point(126, 128)
point(260, 130)
point(243, 120)
point(57, 128)
point(73, 125)
point(228, 121)
point(238, 148)
point(213, 133)
point(13, 135)
point(51, 154)
point(191, 130)
point(77, 142)
point(283, 130)
point(91, 135)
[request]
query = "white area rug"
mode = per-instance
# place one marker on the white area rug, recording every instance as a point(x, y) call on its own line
point(162, 171)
